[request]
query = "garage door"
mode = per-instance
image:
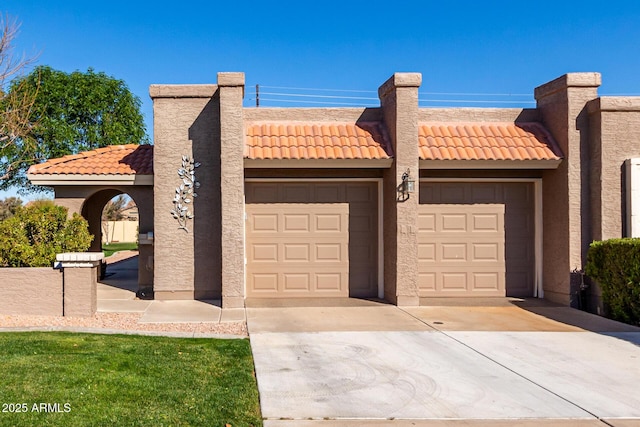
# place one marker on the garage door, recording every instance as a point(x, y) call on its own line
point(298, 249)
point(457, 240)
point(311, 239)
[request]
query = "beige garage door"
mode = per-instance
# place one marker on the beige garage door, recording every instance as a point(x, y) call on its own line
point(461, 250)
point(311, 239)
point(457, 258)
point(298, 250)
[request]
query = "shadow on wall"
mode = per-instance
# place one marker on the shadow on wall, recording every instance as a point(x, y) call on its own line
point(207, 243)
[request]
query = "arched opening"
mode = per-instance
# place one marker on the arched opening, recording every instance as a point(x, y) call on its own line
point(121, 218)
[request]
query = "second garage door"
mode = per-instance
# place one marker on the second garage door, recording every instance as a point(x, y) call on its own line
point(313, 239)
point(476, 239)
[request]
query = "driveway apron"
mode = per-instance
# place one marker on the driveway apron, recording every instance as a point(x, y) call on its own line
point(431, 365)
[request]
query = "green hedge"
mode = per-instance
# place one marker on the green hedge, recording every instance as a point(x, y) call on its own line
point(615, 265)
point(36, 233)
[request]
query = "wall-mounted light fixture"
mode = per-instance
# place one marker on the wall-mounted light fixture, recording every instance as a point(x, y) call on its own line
point(407, 186)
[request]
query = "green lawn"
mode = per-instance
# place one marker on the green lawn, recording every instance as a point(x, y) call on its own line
point(125, 380)
point(111, 248)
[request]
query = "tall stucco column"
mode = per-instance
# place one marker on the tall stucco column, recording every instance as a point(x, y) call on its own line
point(566, 212)
point(399, 101)
point(231, 92)
point(186, 265)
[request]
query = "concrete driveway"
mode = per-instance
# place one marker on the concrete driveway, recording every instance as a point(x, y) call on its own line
point(468, 363)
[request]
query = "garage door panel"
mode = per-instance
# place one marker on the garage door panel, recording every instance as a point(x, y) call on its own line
point(264, 223)
point(426, 252)
point(264, 282)
point(453, 222)
point(296, 252)
point(453, 252)
point(330, 223)
point(426, 222)
point(487, 252)
point(427, 281)
point(293, 223)
point(263, 252)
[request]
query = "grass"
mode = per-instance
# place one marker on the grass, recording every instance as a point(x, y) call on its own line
point(126, 380)
point(111, 248)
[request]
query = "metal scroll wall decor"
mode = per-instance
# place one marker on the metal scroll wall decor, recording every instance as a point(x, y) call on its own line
point(185, 193)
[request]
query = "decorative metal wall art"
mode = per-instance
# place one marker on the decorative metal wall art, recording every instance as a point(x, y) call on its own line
point(184, 193)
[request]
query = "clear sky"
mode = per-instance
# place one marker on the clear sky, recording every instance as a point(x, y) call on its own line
point(471, 47)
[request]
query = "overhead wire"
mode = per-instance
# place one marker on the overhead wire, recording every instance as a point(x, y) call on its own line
point(292, 97)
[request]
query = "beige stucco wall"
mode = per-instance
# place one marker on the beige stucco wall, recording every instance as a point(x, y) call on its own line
point(507, 115)
point(31, 291)
point(306, 115)
point(186, 123)
point(562, 105)
point(615, 133)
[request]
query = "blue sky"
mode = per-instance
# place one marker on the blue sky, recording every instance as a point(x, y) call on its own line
point(503, 47)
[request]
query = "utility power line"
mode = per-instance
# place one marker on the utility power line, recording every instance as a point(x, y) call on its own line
point(339, 96)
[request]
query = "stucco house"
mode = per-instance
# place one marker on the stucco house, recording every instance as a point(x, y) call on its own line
point(397, 202)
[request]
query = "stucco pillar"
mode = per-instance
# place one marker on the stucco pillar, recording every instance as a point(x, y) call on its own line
point(231, 92)
point(80, 282)
point(399, 101)
point(186, 265)
point(566, 211)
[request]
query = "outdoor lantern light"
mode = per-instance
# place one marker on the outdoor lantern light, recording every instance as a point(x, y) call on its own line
point(408, 182)
point(407, 186)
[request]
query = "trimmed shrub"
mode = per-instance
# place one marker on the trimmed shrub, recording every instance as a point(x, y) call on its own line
point(36, 233)
point(615, 265)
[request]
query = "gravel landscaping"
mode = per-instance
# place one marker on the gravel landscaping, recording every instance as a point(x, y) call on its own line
point(124, 322)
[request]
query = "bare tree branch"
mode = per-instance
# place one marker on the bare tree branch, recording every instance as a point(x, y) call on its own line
point(16, 106)
point(11, 65)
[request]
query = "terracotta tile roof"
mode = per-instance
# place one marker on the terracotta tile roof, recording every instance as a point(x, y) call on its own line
point(486, 141)
point(128, 159)
point(290, 140)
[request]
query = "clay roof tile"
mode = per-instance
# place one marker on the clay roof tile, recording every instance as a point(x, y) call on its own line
point(490, 140)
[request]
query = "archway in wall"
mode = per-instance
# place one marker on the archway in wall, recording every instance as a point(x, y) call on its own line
point(115, 220)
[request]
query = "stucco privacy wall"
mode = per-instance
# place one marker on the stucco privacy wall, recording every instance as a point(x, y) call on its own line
point(31, 291)
point(186, 123)
point(69, 290)
point(562, 105)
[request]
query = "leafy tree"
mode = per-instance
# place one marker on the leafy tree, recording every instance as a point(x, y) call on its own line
point(36, 233)
point(72, 112)
point(8, 207)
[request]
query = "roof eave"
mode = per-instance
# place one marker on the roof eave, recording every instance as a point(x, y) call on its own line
point(51, 180)
point(490, 164)
point(317, 163)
